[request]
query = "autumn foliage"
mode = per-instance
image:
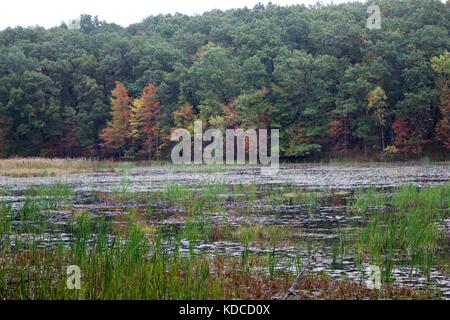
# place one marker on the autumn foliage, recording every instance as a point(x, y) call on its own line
point(133, 129)
point(184, 117)
point(115, 135)
point(407, 138)
point(339, 133)
point(110, 91)
point(443, 127)
point(144, 127)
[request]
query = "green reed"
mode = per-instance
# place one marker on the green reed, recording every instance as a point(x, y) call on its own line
point(368, 199)
point(127, 266)
point(408, 232)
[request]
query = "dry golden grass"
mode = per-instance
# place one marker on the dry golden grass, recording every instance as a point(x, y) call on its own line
point(34, 167)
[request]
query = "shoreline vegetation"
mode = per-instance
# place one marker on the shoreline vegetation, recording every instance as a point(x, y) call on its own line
point(135, 255)
point(44, 167)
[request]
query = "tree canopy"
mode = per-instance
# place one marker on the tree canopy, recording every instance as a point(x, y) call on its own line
point(317, 73)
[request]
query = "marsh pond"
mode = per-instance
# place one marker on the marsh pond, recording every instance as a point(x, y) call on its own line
point(164, 232)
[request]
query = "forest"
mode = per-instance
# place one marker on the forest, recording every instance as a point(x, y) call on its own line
point(331, 85)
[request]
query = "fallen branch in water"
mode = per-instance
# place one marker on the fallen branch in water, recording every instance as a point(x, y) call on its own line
point(291, 290)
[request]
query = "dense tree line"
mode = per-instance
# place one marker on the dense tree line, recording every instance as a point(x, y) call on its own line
point(330, 84)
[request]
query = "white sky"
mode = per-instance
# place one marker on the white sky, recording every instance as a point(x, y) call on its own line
point(49, 13)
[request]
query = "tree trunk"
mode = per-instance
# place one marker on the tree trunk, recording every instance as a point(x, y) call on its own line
point(365, 149)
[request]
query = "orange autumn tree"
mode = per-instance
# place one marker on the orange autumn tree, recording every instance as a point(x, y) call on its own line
point(441, 65)
point(231, 115)
point(144, 127)
point(339, 134)
point(184, 118)
point(116, 135)
point(405, 138)
point(443, 127)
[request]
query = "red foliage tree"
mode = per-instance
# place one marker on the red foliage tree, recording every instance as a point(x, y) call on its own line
point(443, 127)
point(407, 139)
point(339, 133)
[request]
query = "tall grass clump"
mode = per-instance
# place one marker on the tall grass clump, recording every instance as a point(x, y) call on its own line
point(54, 196)
point(194, 200)
point(368, 199)
point(407, 197)
point(214, 193)
point(408, 232)
point(128, 265)
point(5, 224)
point(197, 228)
point(176, 194)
